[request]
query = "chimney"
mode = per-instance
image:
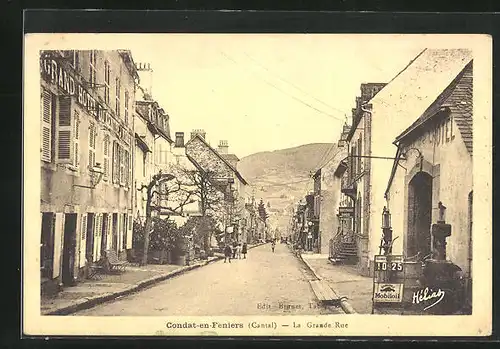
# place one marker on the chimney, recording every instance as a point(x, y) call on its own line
point(179, 139)
point(196, 132)
point(223, 147)
point(146, 76)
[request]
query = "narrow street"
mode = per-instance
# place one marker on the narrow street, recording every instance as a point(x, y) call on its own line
point(266, 283)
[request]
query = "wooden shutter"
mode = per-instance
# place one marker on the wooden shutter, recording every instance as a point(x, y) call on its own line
point(122, 164)
point(129, 232)
point(92, 137)
point(83, 239)
point(109, 240)
point(64, 133)
point(46, 136)
point(105, 157)
point(76, 140)
point(116, 164)
point(97, 236)
point(58, 239)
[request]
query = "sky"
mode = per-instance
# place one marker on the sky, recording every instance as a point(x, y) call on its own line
point(265, 92)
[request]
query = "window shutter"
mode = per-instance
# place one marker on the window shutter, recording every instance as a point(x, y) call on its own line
point(122, 164)
point(92, 137)
point(76, 140)
point(105, 159)
point(97, 236)
point(116, 165)
point(46, 136)
point(64, 139)
point(83, 240)
point(58, 237)
point(129, 233)
point(109, 239)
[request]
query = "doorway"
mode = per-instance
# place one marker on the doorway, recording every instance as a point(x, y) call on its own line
point(89, 253)
point(115, 232)
point(47, 245)
point(69, 249)
point(104, 234)
point(419, 215)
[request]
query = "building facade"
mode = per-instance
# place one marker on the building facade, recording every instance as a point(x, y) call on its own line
point(437, 152)
point(356, 185)
point(87, 146)
point(153, 152)
point(405, 98)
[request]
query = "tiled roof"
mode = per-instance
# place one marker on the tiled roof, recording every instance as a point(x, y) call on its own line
point(458, 98)
point(230, 157)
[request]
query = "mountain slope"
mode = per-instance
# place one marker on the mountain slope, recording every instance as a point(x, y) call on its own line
point(282, 177)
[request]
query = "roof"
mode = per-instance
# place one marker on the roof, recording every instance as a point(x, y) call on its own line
point(416, 88)
point(230, 157)
point(457, 98)
point(240, 177)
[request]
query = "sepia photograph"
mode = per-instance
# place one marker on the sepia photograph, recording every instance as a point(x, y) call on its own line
point(260, 183)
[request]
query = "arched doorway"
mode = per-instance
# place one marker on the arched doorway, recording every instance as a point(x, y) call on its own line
point(419, 215)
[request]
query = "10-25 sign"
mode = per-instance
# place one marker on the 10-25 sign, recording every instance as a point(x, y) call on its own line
point(393, 263)
point(394, 266)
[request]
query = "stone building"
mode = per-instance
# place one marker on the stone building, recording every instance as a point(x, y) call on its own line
point(433, 164)
point(379, 121)
point(356, 185)
point(87, 143)
point(152, 151)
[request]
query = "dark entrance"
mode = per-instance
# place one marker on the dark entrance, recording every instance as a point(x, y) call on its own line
point(89, 248)
point(115, 232)
point(47, 245)
point(419, 215)
point(104, 235)
point(69, 248)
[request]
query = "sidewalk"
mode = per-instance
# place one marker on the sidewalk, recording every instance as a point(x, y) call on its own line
point(344, 280)
point(90, 293)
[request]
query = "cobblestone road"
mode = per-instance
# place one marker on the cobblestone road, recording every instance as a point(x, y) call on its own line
point(265, 283)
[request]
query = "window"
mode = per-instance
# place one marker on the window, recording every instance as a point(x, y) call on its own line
point(117, 97)
point(76, 140)
point(47, 111)
point(359, 154)
point(107, 73)
point(73, 57)
point(92, 138)
point(105, 147)
point(116, 163)
point(122, 165)
point(93, 67)
point(64, 132)
point(126, 106)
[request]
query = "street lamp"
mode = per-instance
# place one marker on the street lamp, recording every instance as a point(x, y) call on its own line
point(386, 242)
point(96, 174)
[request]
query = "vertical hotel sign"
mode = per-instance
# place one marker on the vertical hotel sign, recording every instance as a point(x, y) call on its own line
point(55, 73)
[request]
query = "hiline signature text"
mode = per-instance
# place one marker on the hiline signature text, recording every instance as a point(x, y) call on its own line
point(428, 294)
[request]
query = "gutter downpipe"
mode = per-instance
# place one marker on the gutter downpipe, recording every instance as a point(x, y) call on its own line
point(399, 154)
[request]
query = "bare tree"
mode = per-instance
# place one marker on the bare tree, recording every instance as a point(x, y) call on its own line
point(161, 188)
point(209, 189)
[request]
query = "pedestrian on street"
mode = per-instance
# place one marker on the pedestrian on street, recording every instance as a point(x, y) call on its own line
point(227, 253)
point(234, 249)
point(238, 251)
point(273, 245)
point(244, 250)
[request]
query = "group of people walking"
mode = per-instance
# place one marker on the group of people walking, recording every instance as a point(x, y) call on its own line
point(235, 251)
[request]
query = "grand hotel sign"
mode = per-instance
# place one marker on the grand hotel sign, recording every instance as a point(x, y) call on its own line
point(56, 73)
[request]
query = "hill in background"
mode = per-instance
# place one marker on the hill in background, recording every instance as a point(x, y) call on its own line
point(282, 177)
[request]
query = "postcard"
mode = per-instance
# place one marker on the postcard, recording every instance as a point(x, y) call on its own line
point(257, 184)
